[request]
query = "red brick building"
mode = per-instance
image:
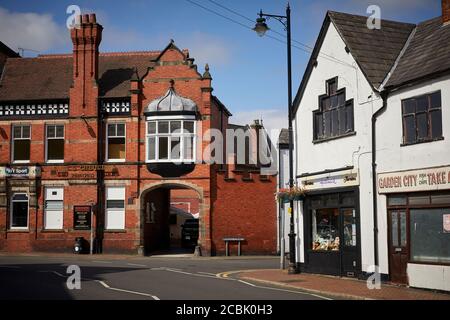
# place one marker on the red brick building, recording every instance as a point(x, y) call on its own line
point(115, 133)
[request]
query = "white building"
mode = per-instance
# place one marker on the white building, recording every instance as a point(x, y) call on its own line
point(376, 102)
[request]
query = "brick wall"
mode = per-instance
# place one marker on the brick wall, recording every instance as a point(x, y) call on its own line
point(244, 207)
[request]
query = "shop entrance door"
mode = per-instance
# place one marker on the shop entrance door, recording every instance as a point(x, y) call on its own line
point(349, 248)
point(398, 246)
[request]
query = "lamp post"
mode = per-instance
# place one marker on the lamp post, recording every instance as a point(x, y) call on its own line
point(261, 28)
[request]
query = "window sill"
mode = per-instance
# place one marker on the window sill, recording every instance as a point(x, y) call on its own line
point(115, 160)
point(115, 231)
point(21, 162)
point(349, 134)
point(420, 142)
point(52, 231)
point(16, 230)
point(54, 161)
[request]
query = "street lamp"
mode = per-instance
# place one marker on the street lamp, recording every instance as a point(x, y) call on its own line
point(261, 28)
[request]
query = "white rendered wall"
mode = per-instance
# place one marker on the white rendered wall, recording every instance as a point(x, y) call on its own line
point(347, 151)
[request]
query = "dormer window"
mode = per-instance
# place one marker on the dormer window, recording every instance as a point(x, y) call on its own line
point(171, 129)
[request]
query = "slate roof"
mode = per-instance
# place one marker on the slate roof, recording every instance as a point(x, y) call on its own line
point(374, 50)
point(50, 76)
point(427, 53)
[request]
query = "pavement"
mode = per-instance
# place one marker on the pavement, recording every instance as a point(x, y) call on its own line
point(344, 288)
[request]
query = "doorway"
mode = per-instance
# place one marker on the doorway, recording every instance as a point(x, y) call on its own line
point(170, 220)
point(398, 246)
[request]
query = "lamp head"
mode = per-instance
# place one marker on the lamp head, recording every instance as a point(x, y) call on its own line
point(261, 27)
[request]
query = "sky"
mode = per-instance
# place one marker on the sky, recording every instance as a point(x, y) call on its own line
point(249, 72)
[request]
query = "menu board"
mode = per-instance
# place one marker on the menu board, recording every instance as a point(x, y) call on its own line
point(82, 217)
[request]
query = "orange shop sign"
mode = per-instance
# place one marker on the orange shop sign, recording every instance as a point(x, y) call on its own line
point(414, 180)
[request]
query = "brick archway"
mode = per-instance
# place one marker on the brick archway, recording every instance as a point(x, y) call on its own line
point(204, 211)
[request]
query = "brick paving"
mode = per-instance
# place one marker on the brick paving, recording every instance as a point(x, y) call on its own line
point(340, 287)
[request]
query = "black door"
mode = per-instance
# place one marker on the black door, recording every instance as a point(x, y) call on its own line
point(349, 242)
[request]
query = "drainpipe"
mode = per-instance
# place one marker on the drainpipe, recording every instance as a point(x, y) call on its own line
point(374, 180)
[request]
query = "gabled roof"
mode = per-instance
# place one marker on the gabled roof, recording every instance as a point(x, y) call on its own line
point(428, 53)
point(375, 50)
point(50, 76)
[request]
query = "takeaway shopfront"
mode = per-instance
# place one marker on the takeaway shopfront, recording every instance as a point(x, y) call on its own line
point(332, 224)
point(418, 220)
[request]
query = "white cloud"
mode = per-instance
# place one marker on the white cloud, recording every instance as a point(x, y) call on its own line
point(273, 119)
point(31, 30)
point(206, 48)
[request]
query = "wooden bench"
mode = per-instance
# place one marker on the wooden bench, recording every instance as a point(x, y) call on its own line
point(233, 239)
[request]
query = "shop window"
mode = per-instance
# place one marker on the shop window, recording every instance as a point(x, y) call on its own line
point(349, 218)
point(170, 140)
point(430, 240)
point(115, 208)
point(55, 143)
point(440, 199)
point(418, 200)
point(422, 118)
point(334, 117)
point(19, 211)
point(21, 143)
point(325, 229)
point(54, 208)
point(115, 150)
point(397, 200)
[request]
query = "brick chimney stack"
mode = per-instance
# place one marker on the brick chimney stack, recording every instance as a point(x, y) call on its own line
point(86, 40)
point(445, 11)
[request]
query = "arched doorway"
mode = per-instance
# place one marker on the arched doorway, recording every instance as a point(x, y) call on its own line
point(171, 218)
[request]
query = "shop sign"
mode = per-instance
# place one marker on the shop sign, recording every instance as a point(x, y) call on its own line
point(446, 222)
point(338, 179)
point(82, 217)
point(414, 180)
point(28, 172)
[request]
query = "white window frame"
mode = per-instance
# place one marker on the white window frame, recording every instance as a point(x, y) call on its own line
point(107, 141)
point(182, 135)
point(14, 139)
point(115, 210)
point(52, 210)
point(12, 209)
point(54, 138)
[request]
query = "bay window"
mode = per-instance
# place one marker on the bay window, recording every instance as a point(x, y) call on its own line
point(170, 139)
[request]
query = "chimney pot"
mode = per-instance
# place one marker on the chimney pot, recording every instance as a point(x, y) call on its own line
point(85, 18)
point(92, 18)
point(445, 11)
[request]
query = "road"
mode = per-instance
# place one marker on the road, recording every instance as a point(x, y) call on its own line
point(136, 278)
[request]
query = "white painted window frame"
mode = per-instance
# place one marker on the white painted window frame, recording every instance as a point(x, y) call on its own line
point(12, 209)
point(115, 211)
point(51, 210)
point(107, 141)
point(47, 138)
point(182, 135)
point(13, 139)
